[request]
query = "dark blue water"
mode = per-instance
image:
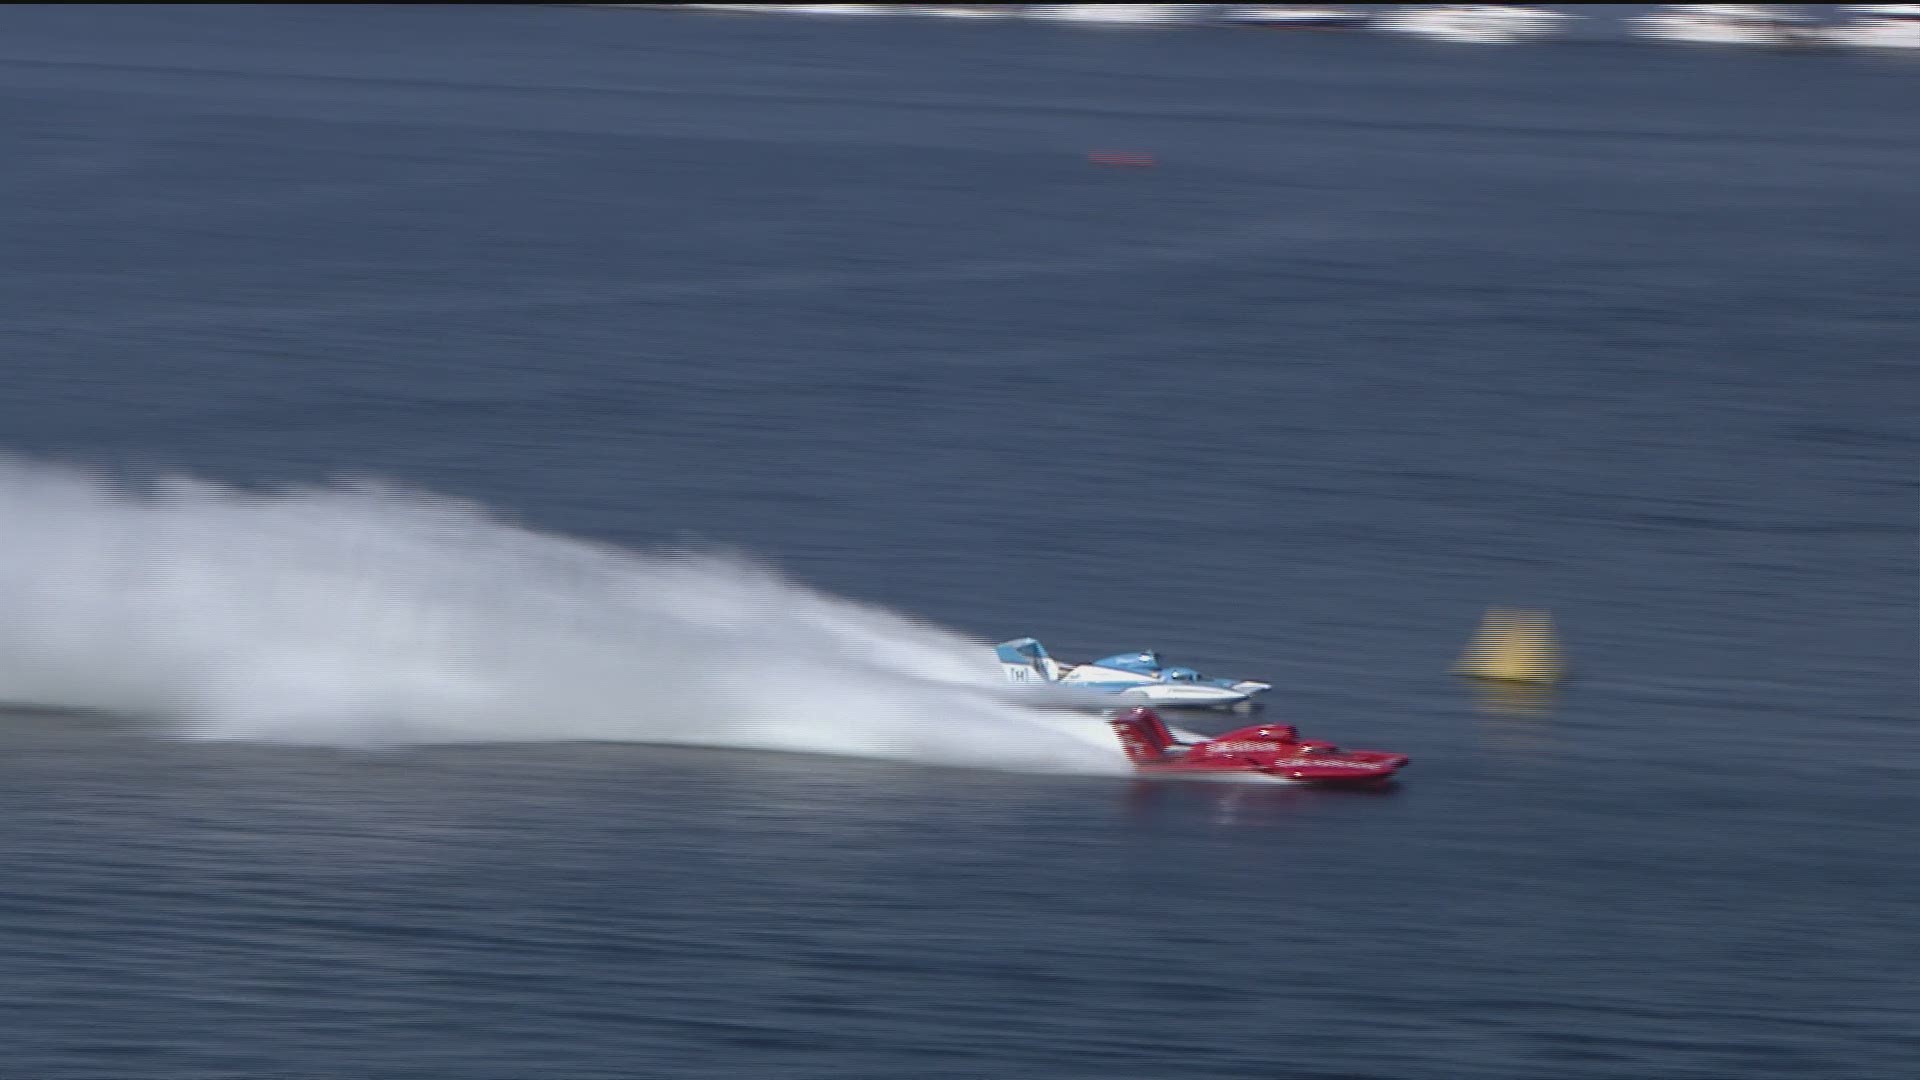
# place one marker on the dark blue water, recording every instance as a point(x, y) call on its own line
point(1393, 333)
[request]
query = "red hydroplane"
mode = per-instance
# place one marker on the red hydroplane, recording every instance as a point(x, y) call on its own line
point(1274, 750)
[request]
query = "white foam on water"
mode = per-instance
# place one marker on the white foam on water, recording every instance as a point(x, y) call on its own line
point(361, 614)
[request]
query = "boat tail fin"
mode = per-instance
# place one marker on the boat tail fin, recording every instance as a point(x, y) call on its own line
point(1026, 660)
point(1143, 735)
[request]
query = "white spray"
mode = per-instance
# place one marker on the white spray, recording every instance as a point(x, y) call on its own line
point(361, 614)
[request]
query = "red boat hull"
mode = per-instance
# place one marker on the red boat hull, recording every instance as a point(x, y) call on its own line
point(1271, 750)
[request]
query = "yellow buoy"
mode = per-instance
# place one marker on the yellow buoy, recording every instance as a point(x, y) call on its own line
point(1514, 647)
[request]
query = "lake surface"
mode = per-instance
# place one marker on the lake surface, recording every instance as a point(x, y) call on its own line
point(465, 326)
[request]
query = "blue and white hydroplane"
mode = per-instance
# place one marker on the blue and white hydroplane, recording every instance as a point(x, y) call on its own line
point(1134, 676)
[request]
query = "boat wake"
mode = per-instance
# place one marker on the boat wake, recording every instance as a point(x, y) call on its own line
point(365, 615)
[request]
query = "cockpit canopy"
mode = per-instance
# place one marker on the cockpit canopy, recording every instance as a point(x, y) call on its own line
point(1145, 662)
